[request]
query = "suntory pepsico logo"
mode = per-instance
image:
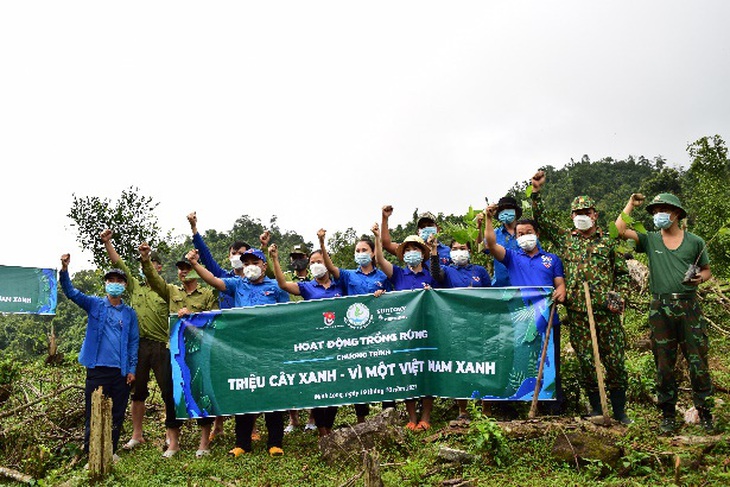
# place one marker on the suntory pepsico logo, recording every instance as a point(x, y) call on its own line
point(358, 316)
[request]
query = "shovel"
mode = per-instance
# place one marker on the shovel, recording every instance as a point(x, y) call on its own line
point(605, 419)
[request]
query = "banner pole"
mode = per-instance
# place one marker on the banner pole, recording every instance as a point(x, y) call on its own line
point(533, 406)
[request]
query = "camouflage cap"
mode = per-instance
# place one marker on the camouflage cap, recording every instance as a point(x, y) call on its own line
point(426, 215)
point(582, 202)
point(299, 249)
point(666, 199)
point(115, 272)
point(155, 257)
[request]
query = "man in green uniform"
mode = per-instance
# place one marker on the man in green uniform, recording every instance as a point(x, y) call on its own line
point(154, 354)
point(182, 300)
point(590, 255)
point(678, 263)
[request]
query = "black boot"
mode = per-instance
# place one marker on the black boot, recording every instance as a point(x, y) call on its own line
point(595, 399)
point(618, 403)
point(706, 420)
point(669, 422)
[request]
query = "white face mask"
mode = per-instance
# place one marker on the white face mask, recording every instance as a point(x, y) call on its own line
point(252, 272)
point(527, 242)
point(236, 262)
point(460, 257)
point(582, 222)
point(318, 270)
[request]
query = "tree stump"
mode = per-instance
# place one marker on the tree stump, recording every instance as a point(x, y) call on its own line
point(100, 440)
point(371, 466)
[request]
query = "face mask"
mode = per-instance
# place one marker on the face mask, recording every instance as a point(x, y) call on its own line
point(527, 242)
point(318, 270)
point(236, 262)
point(114, 289)
point(582, 222)
point(662, 220)
point(506, 216)
point(252, 272)
point(413, 258)
point(299, 264)
point(460, 257)
point(426, 232)
point(362, 258)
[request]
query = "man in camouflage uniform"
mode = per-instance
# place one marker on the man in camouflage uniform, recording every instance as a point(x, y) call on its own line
point(590, 255)
point(678, 263)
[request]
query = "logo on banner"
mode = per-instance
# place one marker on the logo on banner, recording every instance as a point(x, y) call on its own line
point(358, 316)
point(329, 317)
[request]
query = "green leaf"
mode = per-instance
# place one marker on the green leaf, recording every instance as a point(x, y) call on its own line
point(639, 227)
point(626, 218)
point(612, 230)
point(528, 191)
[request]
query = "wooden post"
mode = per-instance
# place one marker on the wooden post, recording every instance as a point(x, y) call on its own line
point(533, 406)
point(100, 439)
point(371, 465)
point(596, 357)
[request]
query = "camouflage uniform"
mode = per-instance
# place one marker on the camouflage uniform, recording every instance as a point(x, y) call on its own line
point(595, 260)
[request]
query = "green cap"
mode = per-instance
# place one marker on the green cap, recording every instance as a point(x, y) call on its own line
point(666, 199)
point(582, 202)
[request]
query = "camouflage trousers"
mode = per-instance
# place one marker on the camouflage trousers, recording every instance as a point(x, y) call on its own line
point(611, 346)
point(677, 322)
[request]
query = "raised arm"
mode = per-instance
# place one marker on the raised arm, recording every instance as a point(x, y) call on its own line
point(383, 263)
point(205, 274)
point(549, 229)
point(290, 287)
point(154, 279)
point(106, 238)
point(204, 253)
point(331, 268)
point(387, 243)
point(490, 238)
point(624, 231)
point(436, 271)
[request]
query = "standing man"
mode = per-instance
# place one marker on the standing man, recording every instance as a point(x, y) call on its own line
point(181, 300)
point(590, 255)
point(154, 352)
point(678, 263)
point(109, 351)
point(508, 212)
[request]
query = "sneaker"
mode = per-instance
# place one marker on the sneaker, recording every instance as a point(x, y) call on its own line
point(289, 429)
point(275, 451)
point(310, 427)
point(668, 425)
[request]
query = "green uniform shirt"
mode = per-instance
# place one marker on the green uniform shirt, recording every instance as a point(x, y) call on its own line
point(667, 267)
point(152, 310)
point(592, 259)
point(202, 299)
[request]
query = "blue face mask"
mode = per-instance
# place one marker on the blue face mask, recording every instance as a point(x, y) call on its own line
point(362, 258)
point(413, 258)
point(114, 289)
point(426, 232)
point(662, 220)
point(507, 216)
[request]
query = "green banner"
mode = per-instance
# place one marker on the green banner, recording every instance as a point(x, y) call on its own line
point(456, 343)
point(28, 290)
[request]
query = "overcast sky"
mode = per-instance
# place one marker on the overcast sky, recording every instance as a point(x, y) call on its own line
point(322, 112)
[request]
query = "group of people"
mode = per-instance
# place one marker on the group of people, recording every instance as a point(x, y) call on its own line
point(125, 342)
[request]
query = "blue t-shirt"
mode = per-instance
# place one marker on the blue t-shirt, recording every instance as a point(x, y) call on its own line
point(109, 354)
point(470, 275)
point(405, 279)
point(537, 270)
point(508, 241)
point(246, 293)
point(355, 281)
point(314, 290)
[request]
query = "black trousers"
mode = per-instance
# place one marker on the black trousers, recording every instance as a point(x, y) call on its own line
point(274, 425)
point(114, 385)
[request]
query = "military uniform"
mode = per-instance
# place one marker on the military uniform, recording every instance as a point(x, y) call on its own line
point(595, 260)
point(675, 316)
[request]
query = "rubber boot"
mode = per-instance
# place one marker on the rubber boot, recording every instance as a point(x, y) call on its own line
point(669, 422)
point(706, 420)
point(618, 403)
point(594, 398)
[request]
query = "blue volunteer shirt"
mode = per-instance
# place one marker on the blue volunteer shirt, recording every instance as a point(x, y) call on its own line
point(225, 300)
point(246, 293)
point(470, 275)
point(405, 279)
point(537, 270)
point(508, 241)
point(444, 253)
point(314, 290)
point(356, 282)
point(110, 353)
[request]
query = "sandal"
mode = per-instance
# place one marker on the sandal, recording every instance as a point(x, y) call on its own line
point(131, 444)
point(237, 452)
point(275, 451)
point(169, 453)
point(255, 436)
point(412, 426)
point(423, 426)
point(201, 453)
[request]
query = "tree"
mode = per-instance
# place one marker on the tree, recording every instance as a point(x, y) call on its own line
point(131, 218)
point(705, 195)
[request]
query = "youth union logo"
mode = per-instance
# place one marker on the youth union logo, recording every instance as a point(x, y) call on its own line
point(358, 316)
point(329, 317)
